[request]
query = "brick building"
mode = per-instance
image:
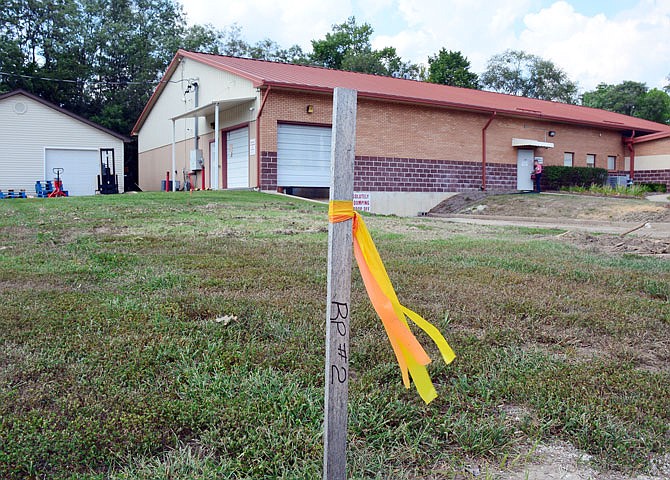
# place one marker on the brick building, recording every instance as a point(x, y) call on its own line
point(651, 158)
point(416, 143)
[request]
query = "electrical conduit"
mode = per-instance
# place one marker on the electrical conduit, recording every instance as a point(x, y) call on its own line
point(483, 186)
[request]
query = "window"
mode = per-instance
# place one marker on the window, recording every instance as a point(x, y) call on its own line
point(567, 159)
point(611, 162)
point(590, 160)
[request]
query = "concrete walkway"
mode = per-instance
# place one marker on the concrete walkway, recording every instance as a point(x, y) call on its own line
point(662, 198)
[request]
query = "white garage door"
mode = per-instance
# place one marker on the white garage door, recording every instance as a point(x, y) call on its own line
point(80, 169)
point(303, 156)
point(237, 173)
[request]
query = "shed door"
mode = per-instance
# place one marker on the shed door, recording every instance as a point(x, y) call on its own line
point(303, 156)
point(524, 168)
point(80, 169)
point(237, 158)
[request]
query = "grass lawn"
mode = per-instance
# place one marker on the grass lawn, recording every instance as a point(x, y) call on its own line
point(116, 360)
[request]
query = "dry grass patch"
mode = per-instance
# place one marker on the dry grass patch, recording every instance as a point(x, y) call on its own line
point(115, 364)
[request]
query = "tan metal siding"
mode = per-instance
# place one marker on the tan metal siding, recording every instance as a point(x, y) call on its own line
point(649, 162)
point(213, 85)
point(155, 136)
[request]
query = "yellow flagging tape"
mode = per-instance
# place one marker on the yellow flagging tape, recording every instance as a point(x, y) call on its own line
point(411, 356)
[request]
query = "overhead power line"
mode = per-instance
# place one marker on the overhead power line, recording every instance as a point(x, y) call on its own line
point(88, 82)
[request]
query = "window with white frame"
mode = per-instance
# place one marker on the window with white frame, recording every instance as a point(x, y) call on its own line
point(611, 162)
point(590, 160)
point(568, 157)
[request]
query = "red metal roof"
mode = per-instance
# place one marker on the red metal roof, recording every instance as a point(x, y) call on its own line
point(285, 75)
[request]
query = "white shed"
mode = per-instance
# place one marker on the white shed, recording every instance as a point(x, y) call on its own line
point(38, 136)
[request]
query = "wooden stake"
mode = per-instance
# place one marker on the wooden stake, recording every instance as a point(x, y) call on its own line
point(636, 228)
point(340, 248)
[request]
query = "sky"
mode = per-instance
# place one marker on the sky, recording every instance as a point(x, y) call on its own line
point(593, 41)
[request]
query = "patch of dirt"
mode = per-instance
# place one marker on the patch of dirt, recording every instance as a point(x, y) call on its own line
point(461, 201)
point(562, 461)
point(640, 245)
point(554, 205)
point(610, 224)
point(554, 461)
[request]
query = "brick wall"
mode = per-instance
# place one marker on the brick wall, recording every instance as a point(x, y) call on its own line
point(398, 130)
point(404, 147)
point(655, 147)
point(376, 174)
point(653, 176)
point(387, 174)
point(269, 170)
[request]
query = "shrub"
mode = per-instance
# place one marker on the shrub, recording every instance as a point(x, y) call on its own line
point(656, 187)
point(559, 176)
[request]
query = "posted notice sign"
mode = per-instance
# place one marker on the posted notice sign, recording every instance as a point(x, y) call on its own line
point(362, 201)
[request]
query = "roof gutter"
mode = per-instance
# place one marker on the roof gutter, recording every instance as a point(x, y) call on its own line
point(526, 113)
point(483, 186)
point(258, 137)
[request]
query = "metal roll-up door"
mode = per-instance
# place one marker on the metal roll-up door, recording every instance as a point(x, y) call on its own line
point(237, 159)
point(303, 156)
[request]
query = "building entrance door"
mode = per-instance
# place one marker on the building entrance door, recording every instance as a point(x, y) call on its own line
point(524, 168)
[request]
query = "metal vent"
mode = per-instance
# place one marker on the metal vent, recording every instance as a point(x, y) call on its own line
point(20, 108)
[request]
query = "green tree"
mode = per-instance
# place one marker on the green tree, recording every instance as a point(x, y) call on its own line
point(229, 41)
point(654, 106)
point(346, 40)
point(630, 98)
point(348, 47)
point(98, 58)
point(134, 42)
point(622, 98)
point(519, 73)
point(39, 38)
point(451, 68)
point(204, 38)
point(270, 50)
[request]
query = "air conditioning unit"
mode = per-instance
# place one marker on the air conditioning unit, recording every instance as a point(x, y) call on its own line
point(618, 180)
point(197, 160)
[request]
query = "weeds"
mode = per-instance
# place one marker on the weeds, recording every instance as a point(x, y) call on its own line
point(113, 364)
point(607, 190)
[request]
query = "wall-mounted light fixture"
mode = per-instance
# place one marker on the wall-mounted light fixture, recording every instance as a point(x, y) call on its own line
point(551, 133)
point(310, 108)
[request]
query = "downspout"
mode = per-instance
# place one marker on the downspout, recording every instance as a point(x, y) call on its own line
point(483, 186)
point(258, 137)
point(631, 148)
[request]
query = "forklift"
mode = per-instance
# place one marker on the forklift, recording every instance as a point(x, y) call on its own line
point(108, 182)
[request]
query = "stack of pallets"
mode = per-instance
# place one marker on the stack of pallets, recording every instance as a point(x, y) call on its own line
point(12, 194)
point(43, 191)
